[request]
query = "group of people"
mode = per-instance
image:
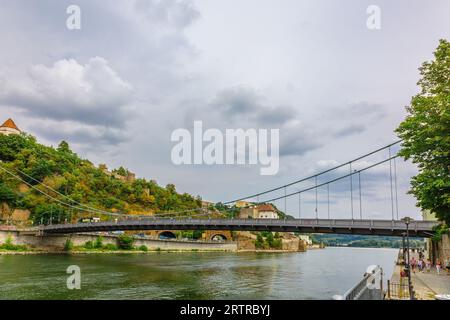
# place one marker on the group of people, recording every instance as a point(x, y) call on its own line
point(425, 264)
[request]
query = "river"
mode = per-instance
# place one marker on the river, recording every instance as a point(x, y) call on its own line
point(316, 274)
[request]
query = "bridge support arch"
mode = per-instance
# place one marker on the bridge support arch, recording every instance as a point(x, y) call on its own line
point(217, 235)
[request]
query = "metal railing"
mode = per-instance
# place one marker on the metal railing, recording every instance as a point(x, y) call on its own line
point(397, 291)
point(384, 227)
point(369, 288)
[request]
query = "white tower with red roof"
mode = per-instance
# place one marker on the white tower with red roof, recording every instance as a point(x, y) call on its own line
point(9, 127)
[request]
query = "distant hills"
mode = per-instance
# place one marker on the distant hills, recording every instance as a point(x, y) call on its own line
point(343, 240)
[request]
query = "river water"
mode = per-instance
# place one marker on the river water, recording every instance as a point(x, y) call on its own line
point(316, 274)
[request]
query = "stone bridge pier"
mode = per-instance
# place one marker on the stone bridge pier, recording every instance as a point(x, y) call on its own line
point(217, 235)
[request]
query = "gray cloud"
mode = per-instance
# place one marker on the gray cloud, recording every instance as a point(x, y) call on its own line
point(81, 134)
point(349, 130)
point(183, 63)
point(92, 93)
point(244, 107)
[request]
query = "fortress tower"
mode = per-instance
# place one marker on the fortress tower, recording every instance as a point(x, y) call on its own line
point(9, 127)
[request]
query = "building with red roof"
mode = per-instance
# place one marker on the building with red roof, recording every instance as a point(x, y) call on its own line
point(9, 127)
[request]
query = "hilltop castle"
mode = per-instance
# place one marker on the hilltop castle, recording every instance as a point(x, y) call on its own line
point(9, 127)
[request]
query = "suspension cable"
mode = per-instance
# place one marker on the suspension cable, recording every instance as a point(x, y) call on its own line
point(333, 180)
point(314, 175)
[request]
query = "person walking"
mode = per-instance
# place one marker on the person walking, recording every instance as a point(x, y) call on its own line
point(413, 264)
point(428, 265)
point(438, 267)
point(420, 265)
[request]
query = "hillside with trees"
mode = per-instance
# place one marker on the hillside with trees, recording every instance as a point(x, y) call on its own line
point(72, 177)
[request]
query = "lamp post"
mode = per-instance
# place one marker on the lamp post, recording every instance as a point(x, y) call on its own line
point(407, 221)
point(403, 248)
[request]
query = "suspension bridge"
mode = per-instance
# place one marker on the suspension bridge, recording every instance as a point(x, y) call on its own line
point(347, 186)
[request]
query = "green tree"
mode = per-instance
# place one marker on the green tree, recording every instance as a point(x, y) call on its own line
point(64, 147)
point(277, 243)
point(7, 194)
point(270, 239)
point(89, 245)
point(68, 245)
point(98, 244)
point(426, 135)
point(259, 242)
point(47, 213)
point(125, 242)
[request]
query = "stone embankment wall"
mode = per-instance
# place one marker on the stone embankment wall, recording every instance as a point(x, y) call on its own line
point(246, 242)
point(56, 242)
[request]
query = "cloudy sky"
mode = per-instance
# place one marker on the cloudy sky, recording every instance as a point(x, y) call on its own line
point(137, 70)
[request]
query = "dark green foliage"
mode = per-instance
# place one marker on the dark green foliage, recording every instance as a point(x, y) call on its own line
point(98, 244)
point(426, 135)
point(8, 245)
point(439, 230)
point(125, 242)
point(110, 246)
point(259, 242)
point(269, 239)
point(341, 240)
point(47, 213)
point(229, 211)
point(7, 194)
point(89, 245)
point(143, 248)
point(68, 245)
point(277, 243)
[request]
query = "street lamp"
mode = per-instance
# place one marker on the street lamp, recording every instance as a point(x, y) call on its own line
point(403, 248)
point(407, 221)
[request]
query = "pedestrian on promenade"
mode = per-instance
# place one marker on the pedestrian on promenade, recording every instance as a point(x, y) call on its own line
point(438, 267)
point(413, 264)
point(428, 265)
point(420, 265)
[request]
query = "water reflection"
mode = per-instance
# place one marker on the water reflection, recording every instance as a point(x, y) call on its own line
point(316, 274)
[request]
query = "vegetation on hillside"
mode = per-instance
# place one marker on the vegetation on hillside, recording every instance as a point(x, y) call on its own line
point(267, 240)
point(426, 135)
point(342, 240)
point(68, 174)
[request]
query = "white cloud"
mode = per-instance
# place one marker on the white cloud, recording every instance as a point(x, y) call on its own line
point(91, 93)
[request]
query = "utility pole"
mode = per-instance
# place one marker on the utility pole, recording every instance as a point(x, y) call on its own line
point(403, 248)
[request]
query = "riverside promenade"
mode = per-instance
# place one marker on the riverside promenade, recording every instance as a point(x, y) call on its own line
point(426, 284)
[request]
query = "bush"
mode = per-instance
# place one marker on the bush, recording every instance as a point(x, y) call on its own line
point(8, 245)
point(110, 246)
point(98, 244)
point(277, 244)
point(89, 245)
point(270, 240)
point(438, 231)
point(143, 248)
point(259, 242)
point(125, 242)
point(68, 246)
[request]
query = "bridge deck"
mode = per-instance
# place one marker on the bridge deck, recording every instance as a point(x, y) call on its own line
point(338, 226)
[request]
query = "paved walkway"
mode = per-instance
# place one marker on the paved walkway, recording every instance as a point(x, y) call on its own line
point(426, 284)
point(431, 283)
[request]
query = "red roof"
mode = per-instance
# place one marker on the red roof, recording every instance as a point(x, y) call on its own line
point(10, 124)
point(266, 207)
